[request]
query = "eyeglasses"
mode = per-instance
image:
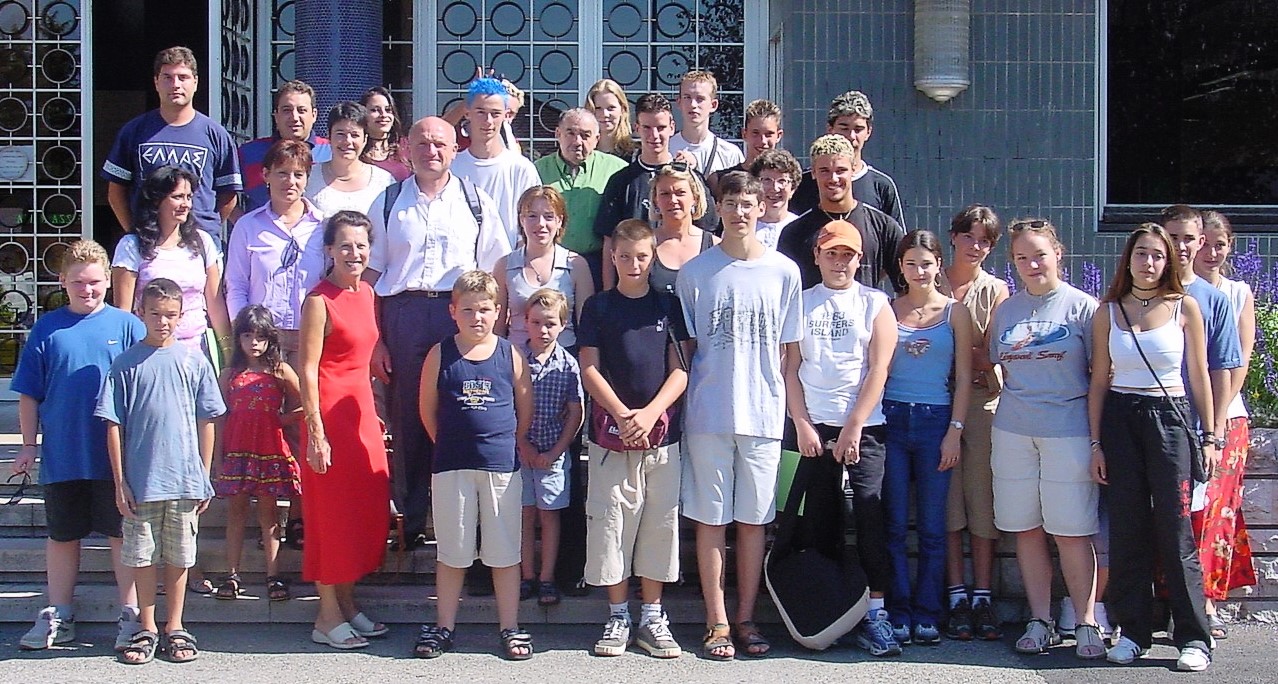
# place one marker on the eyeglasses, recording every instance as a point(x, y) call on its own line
point(18, 493)
point(1029, 225)
point(289, 258)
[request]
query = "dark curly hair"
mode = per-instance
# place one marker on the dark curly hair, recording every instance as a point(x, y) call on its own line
point(256, 319)
point(157, 186)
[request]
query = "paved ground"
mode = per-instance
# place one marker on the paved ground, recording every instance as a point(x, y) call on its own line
point(282, 655)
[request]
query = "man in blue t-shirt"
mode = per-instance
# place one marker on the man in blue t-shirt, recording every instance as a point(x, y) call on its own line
point(174, 135)
point(1184, 225)
point(59, 375)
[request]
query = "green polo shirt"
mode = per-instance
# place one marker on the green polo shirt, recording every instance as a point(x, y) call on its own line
point(583, 192)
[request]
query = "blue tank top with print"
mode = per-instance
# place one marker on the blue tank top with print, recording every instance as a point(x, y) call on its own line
point(476, 411)
point(921, 366)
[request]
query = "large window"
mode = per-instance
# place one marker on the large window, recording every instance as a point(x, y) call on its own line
point(1192, 92)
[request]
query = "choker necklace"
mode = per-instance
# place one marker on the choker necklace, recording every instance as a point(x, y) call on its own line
point(1144, 289)
point(1143, 301)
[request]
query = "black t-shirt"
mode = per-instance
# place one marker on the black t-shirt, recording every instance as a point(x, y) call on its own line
point(626, 196)
point(632, 336)
point(713, 179)
point(880, 235)
point(873, 187)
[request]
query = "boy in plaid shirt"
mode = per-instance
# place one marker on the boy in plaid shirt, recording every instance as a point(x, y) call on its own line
point(557, 416)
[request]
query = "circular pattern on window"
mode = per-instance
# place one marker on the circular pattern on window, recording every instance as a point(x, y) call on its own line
point(58, 65)
point(59, 19)
point(673, 20)
point(625, 20)
point(625, 68)
point(13, 209)
point(460, 19)
point(508, 19)
point(459, 67)
point(509, 65)
point(58, 163)
point(13, 114)
point(51, 257)
point(58, 114)
point(15, 66)
point(548, 114)
point(15, 306)
point(14, 258)
point(14, 19)
point(284, 22)
point(58, 210)
point(556, 20)
point(555, 67)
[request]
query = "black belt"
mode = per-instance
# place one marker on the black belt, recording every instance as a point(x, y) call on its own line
point(425, 294)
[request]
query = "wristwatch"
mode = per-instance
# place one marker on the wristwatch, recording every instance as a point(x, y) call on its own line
point(956, 424)
point(1212, 439)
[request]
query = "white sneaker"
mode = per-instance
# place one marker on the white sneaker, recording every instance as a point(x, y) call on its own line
point(1108, 631)
point(1193, 659)
point(1068, 620)
point(616, 637)
point(1125, 651)
point(49, 629)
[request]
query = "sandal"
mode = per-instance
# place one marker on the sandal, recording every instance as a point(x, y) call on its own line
point(293, 533)
point(276, 588)
point(180, 642)
point(547, 594)
point(342, 637)
point(749, 640)
point(516, 644)
point(141, 647)
point(1219, 630)
point(433, 642)
point(202, 587)
point(1089, 645)
point(367, 628)
point(527, 589)
point(230, 588)
point(1039, 635)
point(717, 643)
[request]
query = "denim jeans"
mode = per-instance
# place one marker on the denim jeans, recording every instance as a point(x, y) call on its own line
point(914, 439)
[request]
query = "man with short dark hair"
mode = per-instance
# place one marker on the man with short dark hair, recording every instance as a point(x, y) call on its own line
point(626, 195)
point(174, 135)
point(294, 114)
point(852, 116)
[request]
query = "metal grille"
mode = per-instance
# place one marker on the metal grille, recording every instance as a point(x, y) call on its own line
point(41, 145)
point(239, 59)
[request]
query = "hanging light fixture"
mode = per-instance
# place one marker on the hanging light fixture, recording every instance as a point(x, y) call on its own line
point(941, 35)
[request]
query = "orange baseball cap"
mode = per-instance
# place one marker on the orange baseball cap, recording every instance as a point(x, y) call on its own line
point(839, 234)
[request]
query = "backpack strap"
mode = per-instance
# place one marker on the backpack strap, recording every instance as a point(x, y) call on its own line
point(392, 195)
point(476, 210)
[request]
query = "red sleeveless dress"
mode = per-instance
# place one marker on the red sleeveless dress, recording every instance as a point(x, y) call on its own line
point(347, 509)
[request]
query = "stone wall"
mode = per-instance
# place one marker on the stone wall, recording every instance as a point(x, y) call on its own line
point(1260, 510)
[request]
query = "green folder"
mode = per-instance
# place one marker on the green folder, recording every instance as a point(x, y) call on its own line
point(785, 478)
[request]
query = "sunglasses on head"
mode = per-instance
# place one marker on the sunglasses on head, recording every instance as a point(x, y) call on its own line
point(1029, 225)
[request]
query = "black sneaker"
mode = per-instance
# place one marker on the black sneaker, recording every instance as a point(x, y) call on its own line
point(987, 626)
point(959, 626)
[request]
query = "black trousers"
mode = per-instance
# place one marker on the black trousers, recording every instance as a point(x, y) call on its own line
point(1147, 455)
point(868, 518)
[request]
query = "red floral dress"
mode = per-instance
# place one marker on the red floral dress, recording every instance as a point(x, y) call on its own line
point(255, 458)
point(1223, 546)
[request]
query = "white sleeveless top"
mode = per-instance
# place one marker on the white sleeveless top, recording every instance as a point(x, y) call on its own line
point(1164, 346)
point(330, 200)
point(1237, 292)
point(518, 290)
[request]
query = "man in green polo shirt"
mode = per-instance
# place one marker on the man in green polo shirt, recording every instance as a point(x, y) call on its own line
point(580, 173)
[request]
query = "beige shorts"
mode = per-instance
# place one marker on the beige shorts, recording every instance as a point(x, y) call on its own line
point(1044, 482)
point(163, 531)
point(971, 503)
point(730, 478)
point(632, 515)
point(466, 502)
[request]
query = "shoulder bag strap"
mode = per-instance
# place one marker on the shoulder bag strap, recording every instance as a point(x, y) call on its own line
point(1136, 341)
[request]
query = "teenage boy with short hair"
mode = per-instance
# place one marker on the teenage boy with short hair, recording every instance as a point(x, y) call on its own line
point(852, 116)
point(627, 193)
point(159, 402)
point(761, 132)
point(698, 101)
point(59, 375)
point(477, 405)
point(741, 303)
point(632, 370)
point(778, 173)
point(498, 170)
point(833, 159)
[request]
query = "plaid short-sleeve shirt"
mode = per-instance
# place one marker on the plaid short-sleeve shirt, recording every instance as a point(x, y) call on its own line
point(556, 384)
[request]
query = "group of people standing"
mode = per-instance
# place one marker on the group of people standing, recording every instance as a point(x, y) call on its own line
point(697, 307)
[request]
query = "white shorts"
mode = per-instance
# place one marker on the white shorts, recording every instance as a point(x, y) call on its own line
point(729, 478)
point(465, 502)
point(632, 515)
point(1044, 482)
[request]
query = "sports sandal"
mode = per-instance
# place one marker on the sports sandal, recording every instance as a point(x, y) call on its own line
point(717, 643)
point(277, 588)
point(180, 647)
point(202, 586)
point(1089, 645)
point(433, 642)
point(516, 644)
point(527, 589)
point(230, 588)
point(1039, 635)
point(750, 641)
point(547, 594)
point(141, 648)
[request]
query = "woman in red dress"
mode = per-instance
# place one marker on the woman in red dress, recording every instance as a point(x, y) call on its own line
point(346, 486)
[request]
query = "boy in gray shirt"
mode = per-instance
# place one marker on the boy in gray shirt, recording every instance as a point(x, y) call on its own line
point(159, 401)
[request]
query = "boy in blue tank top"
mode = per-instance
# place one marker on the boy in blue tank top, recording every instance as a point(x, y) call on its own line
point(476, 403)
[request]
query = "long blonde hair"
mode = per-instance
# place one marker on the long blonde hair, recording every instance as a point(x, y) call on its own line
point(623, 146)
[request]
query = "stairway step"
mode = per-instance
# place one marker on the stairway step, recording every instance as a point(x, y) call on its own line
point(394, 604)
